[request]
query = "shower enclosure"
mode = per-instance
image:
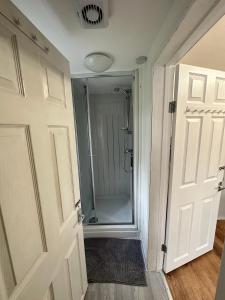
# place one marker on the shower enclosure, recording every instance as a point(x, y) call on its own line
point(104, 122)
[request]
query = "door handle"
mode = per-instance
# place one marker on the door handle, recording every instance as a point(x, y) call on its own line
point(80, 216)
point(76, 204)
point(220, 186)
point(222, 168)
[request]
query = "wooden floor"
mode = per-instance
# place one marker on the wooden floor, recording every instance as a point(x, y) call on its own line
point(197, 280)
point(154, 291)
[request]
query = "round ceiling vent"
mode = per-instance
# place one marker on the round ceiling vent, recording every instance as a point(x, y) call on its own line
point(92, 14)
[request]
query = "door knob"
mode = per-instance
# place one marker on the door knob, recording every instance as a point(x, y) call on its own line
point(222, 168)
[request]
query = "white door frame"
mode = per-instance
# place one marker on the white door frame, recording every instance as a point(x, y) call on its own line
point(123, 231)
point(189, 31)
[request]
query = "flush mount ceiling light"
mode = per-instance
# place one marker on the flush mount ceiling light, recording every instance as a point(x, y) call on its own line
point(98, 62)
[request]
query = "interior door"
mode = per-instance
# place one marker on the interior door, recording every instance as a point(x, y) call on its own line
point(198, 152)
point(41, 238)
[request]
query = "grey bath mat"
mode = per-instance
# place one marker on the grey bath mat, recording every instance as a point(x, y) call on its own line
point(112, 260)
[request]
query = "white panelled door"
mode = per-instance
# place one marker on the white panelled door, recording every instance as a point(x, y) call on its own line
point(198, 152)
point(41, 238)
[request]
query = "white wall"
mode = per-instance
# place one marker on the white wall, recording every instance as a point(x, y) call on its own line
point(144, 140)
point(145, 119)
point(209, 52)
point(169, 26)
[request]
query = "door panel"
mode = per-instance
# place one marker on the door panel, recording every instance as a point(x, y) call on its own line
point(197, 87)
point(38, 170)
point(6, 265)
point(53, 83)
point(220, 90)
point(191, 151)
point(204, 222)
point(17, 175)
point(216, 139)
point(10, 72)
point(62, 169)
point(184, 228)
point(67, 285)
point(198, 152)
point(61, 283)
point(73, 263)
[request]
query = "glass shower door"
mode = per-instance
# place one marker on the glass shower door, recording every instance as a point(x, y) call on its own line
point(83, 145)
point(112, 144)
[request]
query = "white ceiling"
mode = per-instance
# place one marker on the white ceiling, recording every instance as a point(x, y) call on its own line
point(209, 52)
point(133, 25)
point(106, 85)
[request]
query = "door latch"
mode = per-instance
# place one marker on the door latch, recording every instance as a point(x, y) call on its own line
point(80, 216)
point(220, 186)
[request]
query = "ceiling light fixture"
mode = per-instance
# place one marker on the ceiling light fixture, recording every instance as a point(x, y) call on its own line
point(98, 62)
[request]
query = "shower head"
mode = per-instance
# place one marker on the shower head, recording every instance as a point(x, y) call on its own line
point(116, 90)
point(120, 90)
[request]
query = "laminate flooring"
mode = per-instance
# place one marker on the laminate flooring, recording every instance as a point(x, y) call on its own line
point(156, 290)
point(197, 280)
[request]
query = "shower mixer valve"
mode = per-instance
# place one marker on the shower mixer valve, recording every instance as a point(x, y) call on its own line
point(128, 151)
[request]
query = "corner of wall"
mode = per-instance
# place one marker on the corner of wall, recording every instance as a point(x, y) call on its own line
point(221, 214)
point(145, 108)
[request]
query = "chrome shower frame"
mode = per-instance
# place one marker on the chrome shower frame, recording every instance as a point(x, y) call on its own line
point(125, 230)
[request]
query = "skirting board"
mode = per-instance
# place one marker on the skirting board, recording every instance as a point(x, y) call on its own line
point(166, 286)
point(143, 254)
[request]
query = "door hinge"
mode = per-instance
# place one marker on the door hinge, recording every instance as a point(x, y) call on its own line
point(164, 248)
point(172, 107)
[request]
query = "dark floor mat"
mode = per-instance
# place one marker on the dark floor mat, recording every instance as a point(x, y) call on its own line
point(112, 260)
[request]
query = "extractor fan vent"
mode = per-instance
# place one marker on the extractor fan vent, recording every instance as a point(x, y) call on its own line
point(93, 13)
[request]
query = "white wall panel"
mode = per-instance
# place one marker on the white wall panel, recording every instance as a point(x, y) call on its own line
point(108, 117)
